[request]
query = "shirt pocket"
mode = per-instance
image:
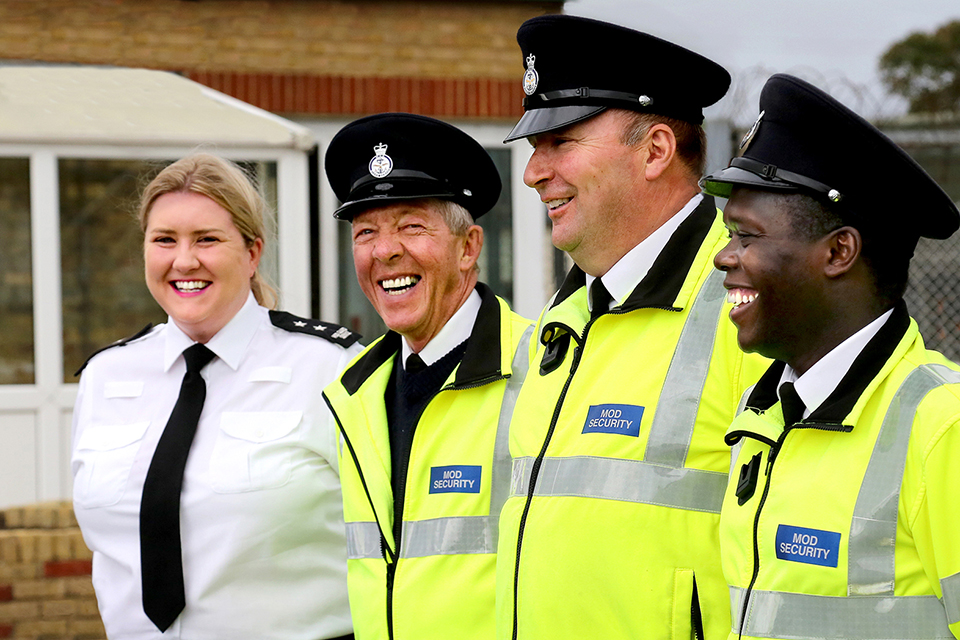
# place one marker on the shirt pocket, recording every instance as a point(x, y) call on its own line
point(104, 456)
point(254, 450)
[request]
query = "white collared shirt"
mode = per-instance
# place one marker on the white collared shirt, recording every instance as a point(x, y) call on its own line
point(457, 329)
point(820, 380)
point(624, 276)
point(261, 518)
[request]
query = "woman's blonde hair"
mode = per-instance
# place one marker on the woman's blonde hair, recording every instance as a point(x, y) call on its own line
point(230, 187)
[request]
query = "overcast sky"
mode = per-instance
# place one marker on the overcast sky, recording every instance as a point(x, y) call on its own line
point(835, 44)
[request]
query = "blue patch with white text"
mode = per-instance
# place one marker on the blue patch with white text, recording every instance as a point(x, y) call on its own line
point(810, 546)
point(614, 418)
point(455, 479)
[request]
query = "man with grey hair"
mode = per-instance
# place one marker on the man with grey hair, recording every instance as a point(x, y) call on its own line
point(423, 412)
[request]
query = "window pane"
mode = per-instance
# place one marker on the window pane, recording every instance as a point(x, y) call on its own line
point(496, 259)
point(104, 294)
point(16, 292)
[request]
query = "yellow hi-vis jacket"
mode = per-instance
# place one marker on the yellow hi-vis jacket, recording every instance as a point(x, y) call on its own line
point(611, 527)
point(847, 523)
point(439, 583)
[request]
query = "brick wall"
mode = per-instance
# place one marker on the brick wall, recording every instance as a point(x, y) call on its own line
point(45, 588)
point(436, 57)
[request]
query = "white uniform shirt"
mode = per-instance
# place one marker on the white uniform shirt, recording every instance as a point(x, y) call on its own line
point(264, 553)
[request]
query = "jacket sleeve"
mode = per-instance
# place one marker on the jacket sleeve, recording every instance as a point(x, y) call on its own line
point(937, 523)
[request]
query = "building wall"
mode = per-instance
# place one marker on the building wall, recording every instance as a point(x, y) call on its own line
point(297, 56)
point(45, 588)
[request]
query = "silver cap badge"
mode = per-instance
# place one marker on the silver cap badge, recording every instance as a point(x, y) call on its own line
point(381, 164)
point(752, 132)
point(530, 77)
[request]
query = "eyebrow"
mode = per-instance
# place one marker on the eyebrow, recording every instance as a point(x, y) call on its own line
point(197, 232)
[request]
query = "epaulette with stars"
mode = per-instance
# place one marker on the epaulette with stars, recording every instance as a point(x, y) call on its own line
point(327, 330)
point(119, 343)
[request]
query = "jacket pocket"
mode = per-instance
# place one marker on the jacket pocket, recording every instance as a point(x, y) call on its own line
point(103, 459)
point(686, 609)
point(254, 450)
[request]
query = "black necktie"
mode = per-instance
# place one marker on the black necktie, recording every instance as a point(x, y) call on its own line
point(599, 299)
point(791, 404)
point(161, 559)
point(415, 364)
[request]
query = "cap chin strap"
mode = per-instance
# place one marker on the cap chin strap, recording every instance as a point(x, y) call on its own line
point(773, 173)
point(584, 93)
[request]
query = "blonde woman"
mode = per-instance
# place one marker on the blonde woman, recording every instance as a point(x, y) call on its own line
point(204, 458)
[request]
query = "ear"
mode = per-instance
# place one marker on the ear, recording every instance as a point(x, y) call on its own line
point(472, 243)
point(256, 252)
point(844, 246)
point(661, 148)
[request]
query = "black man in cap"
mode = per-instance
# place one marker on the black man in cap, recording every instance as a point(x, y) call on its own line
point(841, 517)
point(424, 411)
point(611, 528)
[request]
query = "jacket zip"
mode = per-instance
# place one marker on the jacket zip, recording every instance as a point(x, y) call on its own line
point(771, 458)
point(535, 470)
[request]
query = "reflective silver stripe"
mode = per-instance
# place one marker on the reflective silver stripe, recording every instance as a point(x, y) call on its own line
point(797, 615)
point(676, 414)
point(475, 534)
point(500, 474)
point(448, 536)
point(626, 480)
point(873, 531)
point(363, 541)
point(951, 597)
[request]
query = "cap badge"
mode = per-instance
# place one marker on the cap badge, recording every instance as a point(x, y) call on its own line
point(645, 101)
point(381, 164)
point(752, 132)
point(530, 78)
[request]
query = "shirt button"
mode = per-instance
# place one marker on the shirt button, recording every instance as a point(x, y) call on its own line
point(259, 433)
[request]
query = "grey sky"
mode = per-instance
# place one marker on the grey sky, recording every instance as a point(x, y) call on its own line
point(835, 44)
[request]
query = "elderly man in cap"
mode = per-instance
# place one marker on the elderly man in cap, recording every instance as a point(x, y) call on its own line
point(611, 528)
point(424, 411)
point(841, 519)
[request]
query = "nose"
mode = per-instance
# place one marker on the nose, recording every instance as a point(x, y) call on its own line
point(538, 169)
point(726, 259)
point(186, 259)
point(387, 247)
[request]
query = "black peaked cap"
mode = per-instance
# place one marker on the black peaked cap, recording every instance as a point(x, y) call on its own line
point(575, 67)
point(806, 141)
point(389, 157)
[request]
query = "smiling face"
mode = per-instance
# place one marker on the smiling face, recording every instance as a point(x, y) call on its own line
point(775, 278)
point(198, 266)
point(591, 183)
point(414, 271)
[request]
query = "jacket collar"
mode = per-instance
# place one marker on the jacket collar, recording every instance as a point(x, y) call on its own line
point(864, 369)
point(662, 284)
point(480, 362)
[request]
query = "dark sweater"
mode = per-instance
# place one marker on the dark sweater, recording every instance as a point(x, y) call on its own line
point(406, 397)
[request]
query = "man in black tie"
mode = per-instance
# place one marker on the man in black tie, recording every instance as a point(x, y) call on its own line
point(639, 372)
point(424, 411)
point(841, 519)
